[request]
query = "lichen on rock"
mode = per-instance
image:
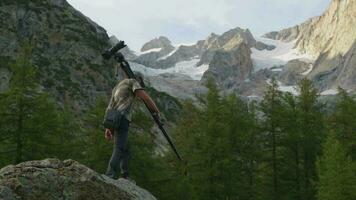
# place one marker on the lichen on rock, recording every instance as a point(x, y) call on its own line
point(55, 179)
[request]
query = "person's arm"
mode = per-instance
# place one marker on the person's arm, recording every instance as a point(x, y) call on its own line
point(147, 99)
point(108, 132)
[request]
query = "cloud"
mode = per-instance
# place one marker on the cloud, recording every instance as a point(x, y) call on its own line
point(185, 21)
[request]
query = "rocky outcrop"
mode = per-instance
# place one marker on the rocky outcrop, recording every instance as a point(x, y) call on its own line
point(161, 42)
point(230, 67)
point(66, 48)
point(153, 50)
point(228, 41)
point(54, 179)
point(262, 46)
point(176, 85)
point(294, 71)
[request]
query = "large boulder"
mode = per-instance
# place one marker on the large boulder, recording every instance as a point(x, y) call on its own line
point(52, 179)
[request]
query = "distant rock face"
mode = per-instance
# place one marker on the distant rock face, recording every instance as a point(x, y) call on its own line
point(262, 46)
point(228, 41)
point(66, 48)
point(160, 42)
point(203, 49)
point(179, 86)
point(330, 39)
point(52, 179)
point(294, 71)
point(227, 58)
point(230, 67)
point(153, 50)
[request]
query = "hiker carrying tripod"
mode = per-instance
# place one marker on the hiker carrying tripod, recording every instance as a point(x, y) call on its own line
point(121, 100)
point(117, 117)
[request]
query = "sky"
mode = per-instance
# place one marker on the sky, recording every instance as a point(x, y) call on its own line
point(187, 21)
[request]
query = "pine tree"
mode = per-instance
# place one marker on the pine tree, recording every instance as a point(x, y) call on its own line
point(343, 122)
point(30, 119)
point(271, 107)
point(311, 128)
point(291, 155)
point(337, 177)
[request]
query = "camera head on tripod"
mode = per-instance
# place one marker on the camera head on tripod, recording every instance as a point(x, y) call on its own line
point(112, 51)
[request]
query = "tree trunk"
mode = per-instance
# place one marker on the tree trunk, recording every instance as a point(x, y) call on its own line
point(297, 171)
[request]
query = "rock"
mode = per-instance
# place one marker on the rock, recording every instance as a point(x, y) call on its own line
point(227, 41)
point(176, 85)
point(262, 46)
point(229, 68)
point(5, 76)
point(160, 42)
point(293, 71)
point(153, 50)
point(54, 179)
point(271, 35)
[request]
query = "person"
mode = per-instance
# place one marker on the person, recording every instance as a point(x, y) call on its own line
point(121, 100)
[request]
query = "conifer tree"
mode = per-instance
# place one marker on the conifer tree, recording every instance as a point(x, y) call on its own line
point(343, 122)
point(271, 107)
point(30, 119)
point(311, 128)
point(337, 177)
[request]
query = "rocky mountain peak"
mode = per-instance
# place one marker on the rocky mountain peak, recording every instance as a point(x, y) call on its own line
point(238, 32)
point(160, 42)
point(330, 39)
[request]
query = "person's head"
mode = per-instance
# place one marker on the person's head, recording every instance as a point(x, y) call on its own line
point(139, 78)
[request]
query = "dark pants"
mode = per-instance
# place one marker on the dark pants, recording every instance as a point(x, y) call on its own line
point(120, 156)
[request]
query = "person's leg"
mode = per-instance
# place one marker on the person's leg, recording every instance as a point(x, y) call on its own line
point(124, 161)
point(114, 162)
point(120, 148)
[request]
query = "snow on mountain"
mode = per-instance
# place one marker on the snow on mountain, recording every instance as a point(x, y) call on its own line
point(188, 68)
point(329, 92)
point(168, 55)
point(283, 53)
point(148, 51)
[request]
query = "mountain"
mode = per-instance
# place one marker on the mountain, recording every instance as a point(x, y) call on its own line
point(68, 179)
point(225, 57)
point(66, 49)
point(331, 40)
point(322, 49)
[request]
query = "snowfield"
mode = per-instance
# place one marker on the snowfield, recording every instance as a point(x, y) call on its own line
point(283, 53)
point(148, 51)
point(329, 92)
point(188, 68)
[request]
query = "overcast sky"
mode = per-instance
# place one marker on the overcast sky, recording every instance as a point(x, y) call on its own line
point(186, 21)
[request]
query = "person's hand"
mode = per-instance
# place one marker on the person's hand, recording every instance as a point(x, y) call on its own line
point(108, 134)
